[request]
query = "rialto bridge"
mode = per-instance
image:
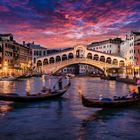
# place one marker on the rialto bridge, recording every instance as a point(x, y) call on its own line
point(78, 55)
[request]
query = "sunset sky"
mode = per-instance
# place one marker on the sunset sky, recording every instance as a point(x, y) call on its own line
point(65, 23)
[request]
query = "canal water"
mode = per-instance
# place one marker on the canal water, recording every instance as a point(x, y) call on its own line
point(66, 118)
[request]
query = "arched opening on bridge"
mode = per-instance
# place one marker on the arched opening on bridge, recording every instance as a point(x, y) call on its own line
point(96, 57)
point(102, 58)
point(58, 58)
point(115, 62)
point(108, 60)
point(45, 61)
point(121, 63)
point(51, 60)
point(81, 69)
point(64, 57)
point(39, 63)
point(89, 55)
point(79, 53)
point(70, 56)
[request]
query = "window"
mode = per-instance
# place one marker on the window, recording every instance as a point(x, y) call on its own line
point(44, 53)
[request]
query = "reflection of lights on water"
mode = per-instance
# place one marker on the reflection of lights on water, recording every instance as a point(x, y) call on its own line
point(28, 86)
point(49, 82)
point(43, 80)
point(4, 109)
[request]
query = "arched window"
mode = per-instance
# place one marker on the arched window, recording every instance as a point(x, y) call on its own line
point(45, 62)
point(121, 63)
point(89, 55)
point(39, 63)
point(115, 62)
point(70, 56)
point(64, 57)
point(102, 58)
point(58, 58)
point(108, 60)
point(96, 57)
point(51, 60)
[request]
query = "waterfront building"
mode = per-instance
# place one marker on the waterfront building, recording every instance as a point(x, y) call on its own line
point(110, 46)
point(130, 48)
point(37, 51)
point(13, 56)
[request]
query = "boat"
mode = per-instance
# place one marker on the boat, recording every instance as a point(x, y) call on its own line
point(34, 97)
point(10, 78)
point(108, 103)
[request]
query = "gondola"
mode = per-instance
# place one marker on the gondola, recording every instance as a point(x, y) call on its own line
point(34, 97)
point(108, 104)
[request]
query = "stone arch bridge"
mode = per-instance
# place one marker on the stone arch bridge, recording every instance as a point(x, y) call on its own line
point(78, 55)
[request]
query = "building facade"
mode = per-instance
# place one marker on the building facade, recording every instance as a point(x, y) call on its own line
point(130, 48)
point(13, 56)
point(110, 46)
point(37, 51)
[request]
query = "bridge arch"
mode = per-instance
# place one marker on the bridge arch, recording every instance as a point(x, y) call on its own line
point(89, 55)
point(51, 60)
point(102, 58)
point(95, 66)
point(58, 58)
point(115, 62)
point(70, 56)
point(121, 63)
point(45, 61)
point(39, 63)
point(108, 60)
point(96, 57)
point(64, 57)
point(81, 54)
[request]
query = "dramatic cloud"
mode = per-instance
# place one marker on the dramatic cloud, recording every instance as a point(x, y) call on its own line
point(65, 23)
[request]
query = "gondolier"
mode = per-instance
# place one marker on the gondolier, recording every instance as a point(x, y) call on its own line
point(60, 83)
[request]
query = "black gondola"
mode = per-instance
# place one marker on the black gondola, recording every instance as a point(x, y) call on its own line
point(34, 97)
point(108, 104)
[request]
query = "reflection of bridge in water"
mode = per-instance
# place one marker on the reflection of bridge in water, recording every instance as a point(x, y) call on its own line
point(78, 55)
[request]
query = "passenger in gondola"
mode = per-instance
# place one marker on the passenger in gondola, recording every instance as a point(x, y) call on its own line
point(134, 94)
point(100, 97)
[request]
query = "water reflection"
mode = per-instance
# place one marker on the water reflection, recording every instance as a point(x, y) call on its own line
point(66, 118)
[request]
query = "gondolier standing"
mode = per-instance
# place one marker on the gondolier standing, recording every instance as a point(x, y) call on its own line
point(60, 83)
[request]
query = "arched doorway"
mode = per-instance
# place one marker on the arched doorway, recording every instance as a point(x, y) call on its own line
point(58, 58)
point(45, 62)
point(115, 62)
point(79, 53)
point(96, 57)
point(64, 57)
point(121, 63)
point(102, 58)
point(89, 55)
point(70, 56)
point(108, 60)
point(39, 63)
point(51, 60)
